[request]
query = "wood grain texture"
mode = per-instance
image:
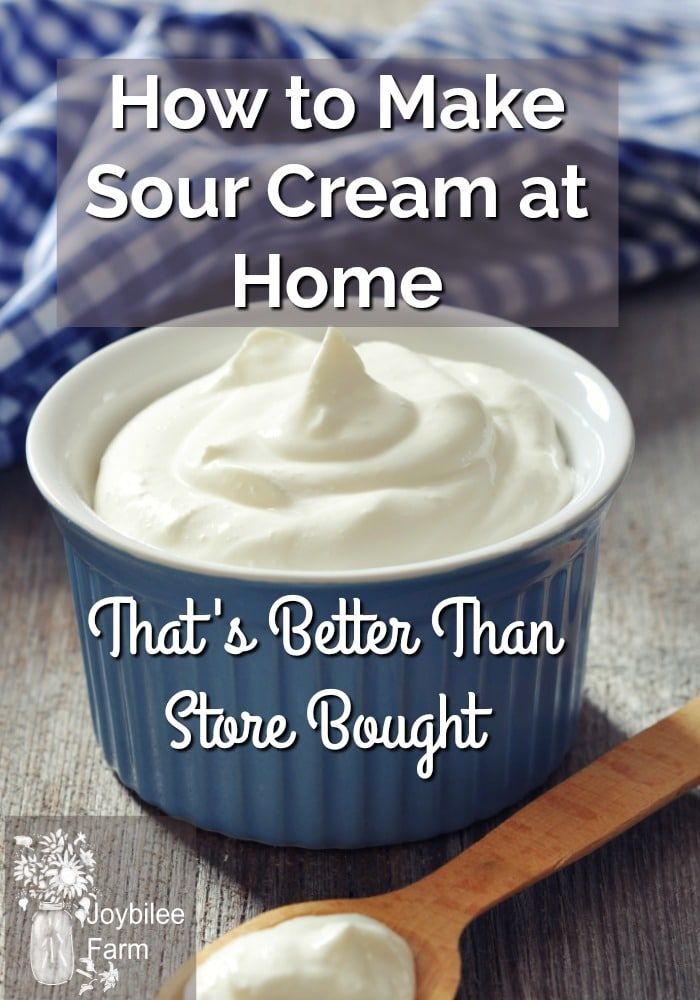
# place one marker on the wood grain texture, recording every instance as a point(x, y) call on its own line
point(623, 786)
point(577, 816)
point(621, 924)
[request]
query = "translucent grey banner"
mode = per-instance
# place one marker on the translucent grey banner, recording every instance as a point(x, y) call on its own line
point(487, 186)
point(95, 904)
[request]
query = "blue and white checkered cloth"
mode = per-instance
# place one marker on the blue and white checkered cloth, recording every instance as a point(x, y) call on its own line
point(656, 43)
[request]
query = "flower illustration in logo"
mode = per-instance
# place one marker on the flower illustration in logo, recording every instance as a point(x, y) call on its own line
point(107, 980)
point(110, 978)
point(88, 858)
point(67, 876)
point(50, 843)
point(24, 870)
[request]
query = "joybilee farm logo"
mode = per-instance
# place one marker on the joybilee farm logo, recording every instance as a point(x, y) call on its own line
point(55, 876)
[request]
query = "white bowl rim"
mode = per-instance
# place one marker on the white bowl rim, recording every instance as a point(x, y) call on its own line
point(65, 500)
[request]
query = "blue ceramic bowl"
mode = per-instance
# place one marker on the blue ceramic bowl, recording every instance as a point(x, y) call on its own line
point(308, 795)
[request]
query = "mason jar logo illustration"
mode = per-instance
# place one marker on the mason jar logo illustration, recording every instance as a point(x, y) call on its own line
point(55, 876)
point(51, 949)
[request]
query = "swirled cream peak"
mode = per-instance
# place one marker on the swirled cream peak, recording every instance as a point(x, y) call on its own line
point(344, 956)
point(337, 412)
point(300, 456)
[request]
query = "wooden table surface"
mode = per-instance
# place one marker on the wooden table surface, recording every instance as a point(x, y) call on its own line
point(619, 925)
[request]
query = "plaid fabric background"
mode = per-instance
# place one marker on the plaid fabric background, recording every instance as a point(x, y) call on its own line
point(656, 43)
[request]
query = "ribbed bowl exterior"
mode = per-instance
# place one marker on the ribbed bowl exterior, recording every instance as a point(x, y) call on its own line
point(308, 795)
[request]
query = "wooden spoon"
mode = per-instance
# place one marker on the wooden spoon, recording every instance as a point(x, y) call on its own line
point(570, 820)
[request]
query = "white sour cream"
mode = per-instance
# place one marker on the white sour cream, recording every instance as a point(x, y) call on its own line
point(342, 957)
point(300, 456)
